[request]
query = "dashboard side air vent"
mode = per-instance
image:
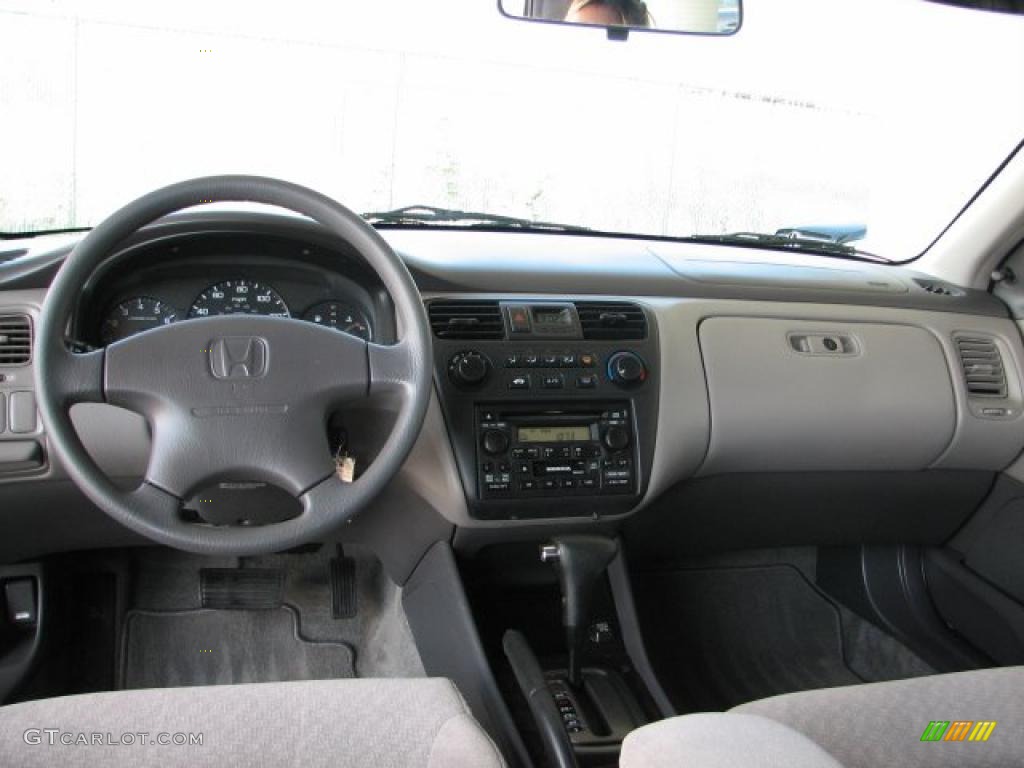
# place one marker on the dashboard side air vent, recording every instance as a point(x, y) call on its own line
point(982, 366)
point(15, 340)
point(939, 288)
point(611, 320)
point(466, 319)
point(6, 256)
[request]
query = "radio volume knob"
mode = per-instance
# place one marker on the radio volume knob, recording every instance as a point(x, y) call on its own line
point(494, 442)
point(626, 369)
point(468, 369)
point(616, 437)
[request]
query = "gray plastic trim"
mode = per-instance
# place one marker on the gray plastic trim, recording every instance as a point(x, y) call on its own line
point(888, 406)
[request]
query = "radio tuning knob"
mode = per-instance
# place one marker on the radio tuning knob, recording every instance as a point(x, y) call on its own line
point(626, 369)
point(494, 442)
point(468, 369)
point(616, 437)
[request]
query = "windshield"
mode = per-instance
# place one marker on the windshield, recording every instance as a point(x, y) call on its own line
point(878, 115)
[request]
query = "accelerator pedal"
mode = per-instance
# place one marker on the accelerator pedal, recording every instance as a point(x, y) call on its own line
point(344, 600)
point(241, 589)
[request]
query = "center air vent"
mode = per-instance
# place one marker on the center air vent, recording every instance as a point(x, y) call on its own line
point(611, 320)
point(466, 320)
point(15, 340)
point(982, 366)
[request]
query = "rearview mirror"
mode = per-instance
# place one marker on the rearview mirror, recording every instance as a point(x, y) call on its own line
point(692, 17)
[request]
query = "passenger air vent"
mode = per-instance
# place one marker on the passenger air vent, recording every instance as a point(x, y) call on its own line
point(939, 288)
point(15, 340)
point(607, 320)
point(466, 319)
point(982, 365)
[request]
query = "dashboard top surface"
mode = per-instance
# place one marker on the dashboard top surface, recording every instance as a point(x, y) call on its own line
point(461, 261)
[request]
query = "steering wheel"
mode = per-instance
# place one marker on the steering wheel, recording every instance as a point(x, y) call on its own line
point(233, 397)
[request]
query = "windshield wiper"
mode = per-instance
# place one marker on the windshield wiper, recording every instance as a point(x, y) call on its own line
point(41, 232)
point(790, 242)
point(427, 215)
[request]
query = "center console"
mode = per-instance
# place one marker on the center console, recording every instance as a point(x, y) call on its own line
point(551, 406)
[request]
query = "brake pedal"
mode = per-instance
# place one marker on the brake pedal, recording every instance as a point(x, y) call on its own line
point(241, 589)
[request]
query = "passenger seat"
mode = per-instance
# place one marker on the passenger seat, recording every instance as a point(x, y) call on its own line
point(926, 722)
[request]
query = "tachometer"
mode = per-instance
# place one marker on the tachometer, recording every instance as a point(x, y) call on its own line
point(135, 316)
point(338, 314)
point(239, 297)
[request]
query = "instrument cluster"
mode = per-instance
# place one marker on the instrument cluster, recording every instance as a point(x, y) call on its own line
point(229, 297)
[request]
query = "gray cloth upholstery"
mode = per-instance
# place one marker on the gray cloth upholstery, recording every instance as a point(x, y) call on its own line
point(881, 724)
point(861, 726)
point(421, 723)
point(717, 740)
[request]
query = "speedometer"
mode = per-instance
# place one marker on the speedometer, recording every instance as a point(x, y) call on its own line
point(239, 297)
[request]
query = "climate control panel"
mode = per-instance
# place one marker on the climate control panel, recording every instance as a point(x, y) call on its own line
point(559, 369)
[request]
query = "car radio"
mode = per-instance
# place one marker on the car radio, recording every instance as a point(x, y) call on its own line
point(574, 450)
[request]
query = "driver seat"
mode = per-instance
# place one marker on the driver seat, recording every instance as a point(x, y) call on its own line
point(385, 723)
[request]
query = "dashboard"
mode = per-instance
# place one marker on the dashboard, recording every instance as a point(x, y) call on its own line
point(578, 380)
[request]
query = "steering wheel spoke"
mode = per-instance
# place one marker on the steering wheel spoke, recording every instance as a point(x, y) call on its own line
point(393, 368)
point(80, 377)
point(329, 497)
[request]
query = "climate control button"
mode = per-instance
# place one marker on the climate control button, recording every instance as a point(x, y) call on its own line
point(626, 369)
point(468, 369)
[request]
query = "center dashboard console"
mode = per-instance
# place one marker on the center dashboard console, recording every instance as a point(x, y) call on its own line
point(551, 406)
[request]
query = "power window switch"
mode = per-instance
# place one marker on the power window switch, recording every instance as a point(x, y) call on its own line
point(20, 596)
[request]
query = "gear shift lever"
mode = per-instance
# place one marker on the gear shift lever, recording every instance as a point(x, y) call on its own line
point(581, 560)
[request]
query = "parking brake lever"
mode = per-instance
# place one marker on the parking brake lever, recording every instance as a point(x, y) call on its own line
point(581, 560)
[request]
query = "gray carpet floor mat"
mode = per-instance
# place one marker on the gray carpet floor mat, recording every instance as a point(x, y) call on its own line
point(168, 582)
point(164, 649)
point(725, 636)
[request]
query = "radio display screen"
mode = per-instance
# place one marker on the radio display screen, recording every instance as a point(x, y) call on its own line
point(559, 434)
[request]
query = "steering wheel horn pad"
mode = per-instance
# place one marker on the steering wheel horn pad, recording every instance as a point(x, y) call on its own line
point(241, 397)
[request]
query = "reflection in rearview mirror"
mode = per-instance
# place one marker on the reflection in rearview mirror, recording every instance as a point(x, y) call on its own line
point(695, 17)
